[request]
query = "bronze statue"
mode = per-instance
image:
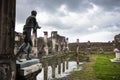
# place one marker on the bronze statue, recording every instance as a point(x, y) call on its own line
point(31, 23)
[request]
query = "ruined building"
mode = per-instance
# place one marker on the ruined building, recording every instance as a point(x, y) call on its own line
point(46, 45)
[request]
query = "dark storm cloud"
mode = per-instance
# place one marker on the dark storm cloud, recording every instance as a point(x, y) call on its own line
point(80, 17)
point(23, 7)
point(53, 5)
point(109, 5)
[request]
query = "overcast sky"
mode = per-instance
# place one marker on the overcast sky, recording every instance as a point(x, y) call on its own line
point(93, 20)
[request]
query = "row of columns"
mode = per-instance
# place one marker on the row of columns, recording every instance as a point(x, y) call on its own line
point(62, 66)
point(87, 48)
point(58, 43)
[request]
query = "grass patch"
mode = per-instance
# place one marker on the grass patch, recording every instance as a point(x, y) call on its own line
point(99, 68)
point(87, 73)
point(105, 69)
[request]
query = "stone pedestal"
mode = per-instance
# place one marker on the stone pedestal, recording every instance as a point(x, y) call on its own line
point(27, 68)
point(26, 63)
point(117, 56)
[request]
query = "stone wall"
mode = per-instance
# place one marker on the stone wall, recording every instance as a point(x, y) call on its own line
point(95, 46)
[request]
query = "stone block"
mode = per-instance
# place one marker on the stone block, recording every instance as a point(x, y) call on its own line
point(26, 63)
point(31, 69)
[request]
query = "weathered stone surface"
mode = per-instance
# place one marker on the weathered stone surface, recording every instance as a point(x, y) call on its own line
point(31, 69)
point(28, 70)
point(46, 43)
point(95, 46)
point(7, 26)
point(117, 56)
point(27, 63)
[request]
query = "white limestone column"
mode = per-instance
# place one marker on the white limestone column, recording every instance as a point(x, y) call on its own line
point(34, 41)
point(67, 46)
point(46, 43)
point(59, 40)
point(59, 45)
point(54, 35)
point(88, 50)
point(77, 49)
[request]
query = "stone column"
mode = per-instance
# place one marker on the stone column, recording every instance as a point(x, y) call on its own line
point(77, 49)
point(46, 43)
point(63, 69)
point(59, 44)
point(63, 45)
point(67, 45)
point(59, 48)
point(66, 64)
point(77, 61)
point(88, 47)
point(67, 61)
point(53, 70)
point(59, 65)
point(34, 41)
point(45, 70)
point(7, 27)
point(54, 36)
point(88, 51)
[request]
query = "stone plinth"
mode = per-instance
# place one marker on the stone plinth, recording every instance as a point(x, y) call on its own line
point(26, 63)
point(28, 67)
point(31, 69)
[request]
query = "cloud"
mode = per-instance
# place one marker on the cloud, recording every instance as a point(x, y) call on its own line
point(93, 28)
point(109, 5)
point(23, 7)
point(19, 27)
point(97, 37)
point(83, 19)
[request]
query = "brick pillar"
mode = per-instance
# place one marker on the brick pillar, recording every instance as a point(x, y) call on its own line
point(7, 26)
